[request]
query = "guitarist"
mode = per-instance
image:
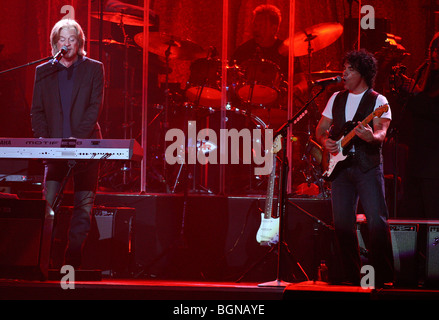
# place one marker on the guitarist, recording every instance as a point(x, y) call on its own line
point(360, 176)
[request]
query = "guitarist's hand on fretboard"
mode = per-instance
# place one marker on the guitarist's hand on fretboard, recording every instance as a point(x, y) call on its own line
point(364, 132)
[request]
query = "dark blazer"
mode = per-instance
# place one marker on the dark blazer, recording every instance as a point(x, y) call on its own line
point(87, 101)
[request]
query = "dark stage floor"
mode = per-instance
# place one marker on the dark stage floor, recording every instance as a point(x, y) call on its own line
point(135, 289)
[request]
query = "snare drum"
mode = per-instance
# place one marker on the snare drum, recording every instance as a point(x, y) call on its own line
point(260, 82)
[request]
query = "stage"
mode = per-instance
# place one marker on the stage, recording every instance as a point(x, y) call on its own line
point(141, 248)
point(177, 290)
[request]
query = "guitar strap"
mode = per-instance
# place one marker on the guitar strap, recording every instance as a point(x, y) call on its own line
point(366, 106)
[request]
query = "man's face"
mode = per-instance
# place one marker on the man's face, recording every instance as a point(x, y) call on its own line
point(68, 38)
point(264, 31)
point(351, 77)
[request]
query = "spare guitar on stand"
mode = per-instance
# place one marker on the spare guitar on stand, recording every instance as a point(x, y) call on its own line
point(268, 233)
point(282, 199)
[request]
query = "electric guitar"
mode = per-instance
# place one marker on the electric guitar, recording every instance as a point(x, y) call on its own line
point(268, 233)
point(335, 160)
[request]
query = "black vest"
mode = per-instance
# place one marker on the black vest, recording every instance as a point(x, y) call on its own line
point(367, 155)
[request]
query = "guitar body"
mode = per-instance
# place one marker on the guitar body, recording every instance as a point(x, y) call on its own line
point(344, 141)
point(335, 160)
point(268, 233)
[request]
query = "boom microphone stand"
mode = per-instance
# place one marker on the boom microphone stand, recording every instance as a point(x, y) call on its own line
point(26, 65)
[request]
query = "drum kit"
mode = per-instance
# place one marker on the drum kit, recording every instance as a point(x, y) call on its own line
point(256, 84)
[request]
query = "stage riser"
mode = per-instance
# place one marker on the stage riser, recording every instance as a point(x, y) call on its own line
point(216, 240)
point(219, 236)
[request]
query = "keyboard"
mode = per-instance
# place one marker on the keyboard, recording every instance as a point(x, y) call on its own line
point(70, 149)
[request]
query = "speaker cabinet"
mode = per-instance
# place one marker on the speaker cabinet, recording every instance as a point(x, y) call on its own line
point(25, 236)
point(432, 255)
point(109, 245)
point(404, 246)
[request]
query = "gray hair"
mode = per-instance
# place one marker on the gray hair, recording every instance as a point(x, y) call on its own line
point(67, 24)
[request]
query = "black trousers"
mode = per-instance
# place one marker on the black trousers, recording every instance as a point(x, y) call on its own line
point(85, 177)
point(350, 186)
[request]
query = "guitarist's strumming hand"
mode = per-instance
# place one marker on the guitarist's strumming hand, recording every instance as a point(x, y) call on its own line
point(331, 145)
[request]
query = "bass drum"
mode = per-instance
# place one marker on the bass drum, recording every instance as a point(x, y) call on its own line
point(240, 178)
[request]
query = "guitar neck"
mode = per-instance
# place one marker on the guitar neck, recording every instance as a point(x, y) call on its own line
point(270, 191)
point(347, 138)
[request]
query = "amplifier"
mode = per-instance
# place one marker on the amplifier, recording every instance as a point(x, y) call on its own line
point(25, 236)
point(404, 246)
point(109, 245)
point(432, 255)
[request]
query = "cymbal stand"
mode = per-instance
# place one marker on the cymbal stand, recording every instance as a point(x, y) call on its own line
point(128, 121)
point(166, 110)
point(194, 143)
point(309, 38)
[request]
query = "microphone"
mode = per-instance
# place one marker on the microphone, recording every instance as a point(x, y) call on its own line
point(326, 81)
point(59, 55)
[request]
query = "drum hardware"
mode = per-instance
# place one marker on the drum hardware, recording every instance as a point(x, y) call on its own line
point(170, 47)
point(204, 85)
point(260, 82)
point(321, 35)
point(164, 44)
point(120, 17)
point(305, 43)
point(312, 39)
point(312, 172)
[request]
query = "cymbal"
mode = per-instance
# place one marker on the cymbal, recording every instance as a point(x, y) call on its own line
point(325, 74)
point(119, 17)
point(182, 49)
point(112, 43)
point(316, 37)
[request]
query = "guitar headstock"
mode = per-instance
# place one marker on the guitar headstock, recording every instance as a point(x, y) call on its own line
point(380, 110)
point(277, 145)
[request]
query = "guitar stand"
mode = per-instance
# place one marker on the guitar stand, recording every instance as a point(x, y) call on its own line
point(282, 245)
point(283, 131)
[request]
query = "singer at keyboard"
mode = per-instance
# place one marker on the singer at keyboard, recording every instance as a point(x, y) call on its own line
point(67, 100)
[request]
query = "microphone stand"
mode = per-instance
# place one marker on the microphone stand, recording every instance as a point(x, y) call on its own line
point(283, 193)
point(27, 64)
